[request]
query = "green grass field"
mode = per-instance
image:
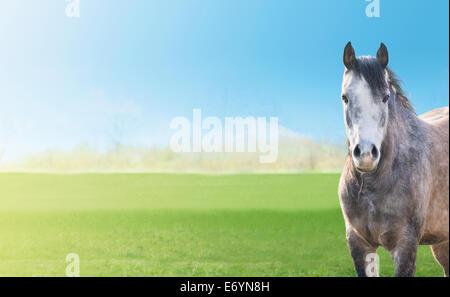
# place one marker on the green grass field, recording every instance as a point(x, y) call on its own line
point(177, 225)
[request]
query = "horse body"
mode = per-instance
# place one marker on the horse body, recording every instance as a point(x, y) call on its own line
point(404, 200)
point(436, 229)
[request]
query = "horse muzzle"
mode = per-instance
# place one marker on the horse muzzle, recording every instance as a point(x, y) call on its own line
point(365, 157)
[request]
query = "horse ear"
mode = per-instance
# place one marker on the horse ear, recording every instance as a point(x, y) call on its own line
point(382, 55)
point(349, 56)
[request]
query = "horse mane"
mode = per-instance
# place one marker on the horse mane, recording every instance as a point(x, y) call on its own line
point(395, 82)
point(373, 73)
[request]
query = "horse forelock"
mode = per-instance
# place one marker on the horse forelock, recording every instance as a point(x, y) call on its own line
point(375, 75)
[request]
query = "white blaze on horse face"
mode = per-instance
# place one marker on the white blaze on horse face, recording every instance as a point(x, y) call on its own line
point(365, 118)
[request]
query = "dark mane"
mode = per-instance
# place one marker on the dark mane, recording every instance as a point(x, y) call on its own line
point(395, 83)
point(373, 73)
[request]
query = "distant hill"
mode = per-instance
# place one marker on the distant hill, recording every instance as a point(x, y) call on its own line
point(296, 154)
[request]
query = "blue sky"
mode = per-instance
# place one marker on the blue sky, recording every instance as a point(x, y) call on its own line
point(124, 69)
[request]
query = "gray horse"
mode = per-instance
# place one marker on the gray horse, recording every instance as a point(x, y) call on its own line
point(394, 190)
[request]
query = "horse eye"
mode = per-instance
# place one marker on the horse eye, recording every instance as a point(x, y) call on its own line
point(386, 98)
point(345, 99)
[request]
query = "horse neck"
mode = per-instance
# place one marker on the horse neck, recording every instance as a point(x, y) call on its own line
point(404, 129)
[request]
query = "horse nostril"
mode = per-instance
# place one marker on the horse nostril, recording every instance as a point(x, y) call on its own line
point(374, 152)
point(357, 151)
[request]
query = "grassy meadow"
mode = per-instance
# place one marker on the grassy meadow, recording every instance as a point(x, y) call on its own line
point(177, 225)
